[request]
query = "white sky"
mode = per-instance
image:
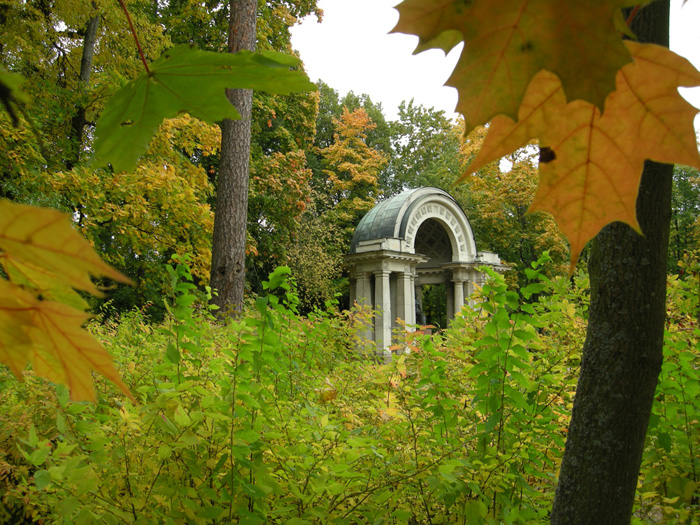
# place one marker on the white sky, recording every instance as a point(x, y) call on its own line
point(351, 50)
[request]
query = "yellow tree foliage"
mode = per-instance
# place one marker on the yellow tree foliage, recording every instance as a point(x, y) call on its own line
point(160, 208)
point(279, 193)
point(517, 69)
point(44, 259)
point(499, 195)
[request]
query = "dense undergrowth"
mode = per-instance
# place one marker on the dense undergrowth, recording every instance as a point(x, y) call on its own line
point(280, 418)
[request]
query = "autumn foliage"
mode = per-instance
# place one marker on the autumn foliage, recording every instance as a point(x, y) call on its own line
point(352, 168)
point(41, 315)
point(591, 164)
point(521, 76)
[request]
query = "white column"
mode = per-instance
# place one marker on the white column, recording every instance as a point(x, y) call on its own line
point(459, 294)
point(362, 289)
point(382, 301)
point(450, 301)
point(418, 290)
point(468, 291)
point(405, 298)
point(411, 299)
point(363, 292)
point(470, 288)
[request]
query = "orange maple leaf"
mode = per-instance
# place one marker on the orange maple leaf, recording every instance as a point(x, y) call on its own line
point(591, 164)
point(507, 44)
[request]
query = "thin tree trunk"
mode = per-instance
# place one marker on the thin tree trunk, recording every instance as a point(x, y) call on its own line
point(622, 354)
point(231, 213)
point(78, 120)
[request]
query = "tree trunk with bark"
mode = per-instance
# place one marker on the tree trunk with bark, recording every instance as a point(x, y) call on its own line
point(78, 121)
point(623, 351)
point(231, 213)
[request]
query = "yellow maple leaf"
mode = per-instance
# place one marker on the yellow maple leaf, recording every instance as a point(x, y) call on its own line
point(591, 164)
point(43, 259)
point(15, 343)
point(44, 282)
point(508, 43)
point(45, 238)
point(49, 335)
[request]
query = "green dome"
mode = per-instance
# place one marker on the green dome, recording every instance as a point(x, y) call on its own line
point(388, 219)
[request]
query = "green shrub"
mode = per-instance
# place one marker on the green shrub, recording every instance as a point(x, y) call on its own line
point(279, 418)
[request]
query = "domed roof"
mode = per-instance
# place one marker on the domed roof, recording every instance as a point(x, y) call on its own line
point(389, 218)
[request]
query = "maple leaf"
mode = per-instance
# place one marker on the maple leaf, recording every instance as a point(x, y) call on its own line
point(11, 93)
point(42, 280)
point(43, 259)
point(49, 334)
point(591, 164)
point(508, 42)
point(43, 238)
point(186, 79)
point(15, 344)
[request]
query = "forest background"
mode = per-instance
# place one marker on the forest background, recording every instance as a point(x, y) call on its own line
point(319, 161)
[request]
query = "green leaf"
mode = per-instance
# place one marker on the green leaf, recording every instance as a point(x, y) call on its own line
point(181, 417)
point(11, 87)
point(335, 488)
point(524, 335)
point(402, 515)
point(247, 435)
point(186, 80)
point(475, 512)
point(42, 479)
point(210, 513)
point(164, 452)
point(172, 353)
point(32, 438)
point(39, 456)
point(665, 441)
point(532, 288)
point(68, 506)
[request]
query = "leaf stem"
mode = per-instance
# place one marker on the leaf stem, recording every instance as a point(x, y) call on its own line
point(630, 18)
point(133, 33)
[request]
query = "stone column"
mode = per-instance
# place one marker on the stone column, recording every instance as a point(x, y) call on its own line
point(405, 298)
point(363, 291)
point(458, 278)
point(458, 284)
point(478, 279)
point(353, 288)
point(469, 290)
point(418, 291)
point(449, 300)
point(382, 302)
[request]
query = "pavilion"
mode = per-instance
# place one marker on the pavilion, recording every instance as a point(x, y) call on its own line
point(416, 238)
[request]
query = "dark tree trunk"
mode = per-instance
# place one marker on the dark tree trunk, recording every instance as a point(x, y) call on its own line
point(622, 354)
point(78, 120)
point(231, 213)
